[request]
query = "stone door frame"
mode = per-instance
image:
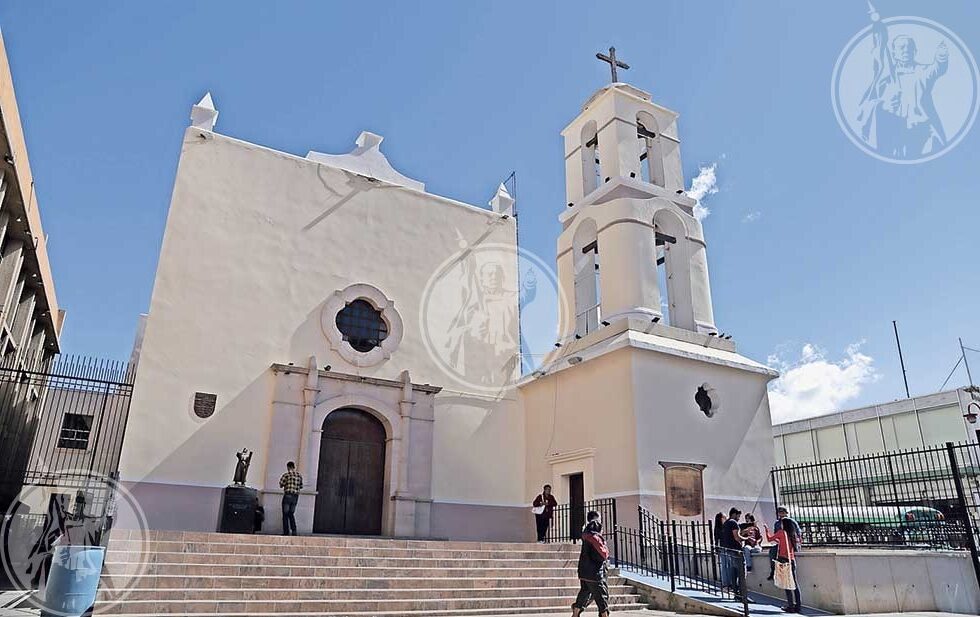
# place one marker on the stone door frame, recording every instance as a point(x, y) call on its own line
point(406, 411)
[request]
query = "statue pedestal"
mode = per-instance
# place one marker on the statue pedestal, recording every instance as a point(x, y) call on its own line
point(237, 513)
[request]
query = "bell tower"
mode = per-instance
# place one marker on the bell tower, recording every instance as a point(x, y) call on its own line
point(639, 360)
point(630, 245)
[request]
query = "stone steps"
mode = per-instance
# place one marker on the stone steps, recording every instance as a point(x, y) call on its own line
point(348, 561)
point(370, 606)
point(117, 581)
point(556, 551)
point(191, 569)
point(194, 574)
point(549, 611)
point(243, 594)
point(208, 538)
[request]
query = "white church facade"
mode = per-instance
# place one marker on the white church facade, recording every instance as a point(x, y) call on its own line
point(330, 311)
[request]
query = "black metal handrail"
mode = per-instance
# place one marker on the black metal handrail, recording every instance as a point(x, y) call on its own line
point(568, 520)
point(684, 552)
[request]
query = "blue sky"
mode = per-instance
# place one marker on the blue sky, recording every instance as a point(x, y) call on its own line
point(814, 246)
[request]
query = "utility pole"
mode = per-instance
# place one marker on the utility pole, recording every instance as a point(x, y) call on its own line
point(902, 359)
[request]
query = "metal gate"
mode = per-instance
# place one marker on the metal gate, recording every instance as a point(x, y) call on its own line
point(67, 416)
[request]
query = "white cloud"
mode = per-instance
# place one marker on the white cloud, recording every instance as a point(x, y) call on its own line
point(704, 184)
point(814, 385)
point(751, 217)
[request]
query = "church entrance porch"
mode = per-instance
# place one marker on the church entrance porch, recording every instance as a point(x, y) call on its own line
point(363, 446)
point(350, 476)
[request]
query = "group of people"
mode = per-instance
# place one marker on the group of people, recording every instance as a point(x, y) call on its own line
point(739, 541)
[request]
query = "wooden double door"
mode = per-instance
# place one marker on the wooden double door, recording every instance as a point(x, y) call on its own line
point(350, 476)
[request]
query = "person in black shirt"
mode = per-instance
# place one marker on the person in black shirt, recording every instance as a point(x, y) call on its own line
point(592, 568)
point(731, 540)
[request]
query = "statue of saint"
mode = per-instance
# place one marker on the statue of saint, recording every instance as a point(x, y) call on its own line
point(241, 469)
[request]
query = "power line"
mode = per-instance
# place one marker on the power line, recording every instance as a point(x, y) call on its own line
point(950, 376)
point(965, 362)
point(962, 360)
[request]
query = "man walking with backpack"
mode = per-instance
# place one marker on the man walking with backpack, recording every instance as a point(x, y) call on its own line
point(592, 568)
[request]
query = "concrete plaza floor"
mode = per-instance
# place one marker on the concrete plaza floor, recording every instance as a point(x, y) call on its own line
point(6, 598)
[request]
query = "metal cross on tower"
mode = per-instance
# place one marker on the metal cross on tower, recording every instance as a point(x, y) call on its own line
point(613, 62)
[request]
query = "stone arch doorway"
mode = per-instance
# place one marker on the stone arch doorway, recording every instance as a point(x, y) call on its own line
point(351, 474)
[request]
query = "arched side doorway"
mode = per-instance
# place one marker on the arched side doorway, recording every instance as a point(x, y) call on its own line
point(351, 474)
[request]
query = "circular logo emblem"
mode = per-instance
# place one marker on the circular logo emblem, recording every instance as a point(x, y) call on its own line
point(52, 535)
point(904, 89)
point(488, 315)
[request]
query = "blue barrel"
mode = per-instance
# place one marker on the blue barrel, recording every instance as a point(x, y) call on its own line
point(72, 581)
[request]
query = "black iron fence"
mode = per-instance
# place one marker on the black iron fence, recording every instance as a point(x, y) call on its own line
point(926, 498)
point(684, 553)
point(569, 519)
point(67, 414)
point(62, 422)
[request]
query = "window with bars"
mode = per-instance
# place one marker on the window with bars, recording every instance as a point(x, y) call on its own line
point(75, 431)
point(362, 325)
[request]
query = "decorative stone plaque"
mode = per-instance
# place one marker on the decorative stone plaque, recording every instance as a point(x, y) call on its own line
point(204, 404)
point(685, 489)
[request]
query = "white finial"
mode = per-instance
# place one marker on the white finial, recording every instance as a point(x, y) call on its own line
point(204, 115)
point(367, 160)
point(368, 140)
point(502, 202)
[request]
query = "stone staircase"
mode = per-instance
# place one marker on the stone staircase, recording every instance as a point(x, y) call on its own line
point(188, 573)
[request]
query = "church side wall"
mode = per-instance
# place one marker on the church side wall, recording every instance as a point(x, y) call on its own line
point(478, 449)
point(581, 420)
point(256, 242)
point(617, 416)
point(735, 445)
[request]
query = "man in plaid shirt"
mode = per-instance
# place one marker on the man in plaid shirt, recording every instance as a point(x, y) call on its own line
point(291, 484)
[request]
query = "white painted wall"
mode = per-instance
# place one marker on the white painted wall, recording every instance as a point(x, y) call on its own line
point(734, 444)
point(256, 241)
point(631, 401)
point(852, 581)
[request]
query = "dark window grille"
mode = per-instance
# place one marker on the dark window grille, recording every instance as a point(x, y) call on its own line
point(362, 325)
point(75, 431)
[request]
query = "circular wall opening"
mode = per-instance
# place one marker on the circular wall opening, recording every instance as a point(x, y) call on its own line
point(707, 400)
